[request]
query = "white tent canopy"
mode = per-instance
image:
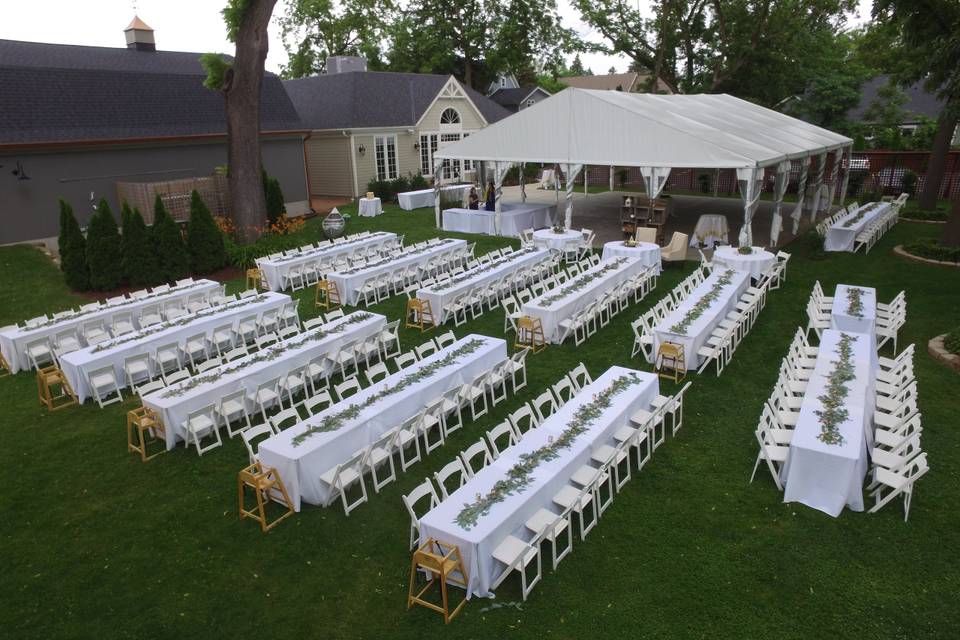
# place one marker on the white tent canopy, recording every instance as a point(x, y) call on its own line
point(612, 128)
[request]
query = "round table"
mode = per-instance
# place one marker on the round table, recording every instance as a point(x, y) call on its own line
point(756, 263)
point(558, 241)
point(710, 229)
point(369, 207)
point(648, 252)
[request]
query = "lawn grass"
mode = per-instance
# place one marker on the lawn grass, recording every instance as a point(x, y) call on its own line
point(97, 544)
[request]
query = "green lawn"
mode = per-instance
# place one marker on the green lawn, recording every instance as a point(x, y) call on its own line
point(96, 544)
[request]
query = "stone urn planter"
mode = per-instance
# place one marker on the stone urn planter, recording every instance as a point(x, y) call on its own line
point(334, 224)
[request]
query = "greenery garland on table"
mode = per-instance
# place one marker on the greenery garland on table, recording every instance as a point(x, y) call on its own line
point(301, 253)
point(336, 421)
point(183, 321)
point(115, 305)
point(519, 476)
point(388, 260)
point(833, 413)
point(858, 216)
point(745, 251)
point(270, 353)
point(476, 271)
point(578, 283)
point(703, 303)
point(855, 302)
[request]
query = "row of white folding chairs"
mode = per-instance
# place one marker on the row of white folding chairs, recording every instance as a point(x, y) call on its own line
point(876, 229)
point(324, 244)
point(383, 286)
point(598, 312)
point(830, 220)
point(644, 326)
point(890, 317)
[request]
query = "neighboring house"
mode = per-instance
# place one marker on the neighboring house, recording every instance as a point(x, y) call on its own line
point(503, 81)
point(76, 120)
point(920, 105)
point(508, 93)
point(631, 82)
point(372, 125)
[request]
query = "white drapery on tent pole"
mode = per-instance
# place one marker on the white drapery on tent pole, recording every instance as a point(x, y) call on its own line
point(499, 172)
point(779, 190)
point(654, 180)
point(611, 177)
point(846, 176)
point(750, 183)
point(834, 175)
point(437, 164)
point(818, 181)
point(801, 191)
point(570, 172)
point(523, 185)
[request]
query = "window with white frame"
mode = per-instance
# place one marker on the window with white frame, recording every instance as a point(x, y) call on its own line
point(449, 116)
point(385, 152)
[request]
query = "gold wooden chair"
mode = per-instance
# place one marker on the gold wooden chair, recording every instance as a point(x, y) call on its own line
point(5, 369)
point(671, 361)
point(267, 485)
point(443, 566)
point(419, 315)
point(530, 334)
point(328, 295)
point(144, 422)
point(54, 389)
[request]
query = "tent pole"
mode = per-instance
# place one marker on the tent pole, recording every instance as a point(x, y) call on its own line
point(611, 177)
point(523, 185)
point(436, 191)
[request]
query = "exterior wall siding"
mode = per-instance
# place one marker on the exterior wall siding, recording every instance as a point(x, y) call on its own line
point(328, 161)
point(469, 116)
point(408, 161)
point(29, 210)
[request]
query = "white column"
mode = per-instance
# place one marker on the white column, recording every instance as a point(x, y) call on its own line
point(801, 190)
point(570, 172)
point(779, 189)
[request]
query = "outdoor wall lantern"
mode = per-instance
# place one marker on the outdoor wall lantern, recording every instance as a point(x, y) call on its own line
point(361, 149)
point(20, 173)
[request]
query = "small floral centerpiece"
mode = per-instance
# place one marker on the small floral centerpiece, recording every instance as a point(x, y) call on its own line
point(745, 251)
point(630, 242)
point(559, 228)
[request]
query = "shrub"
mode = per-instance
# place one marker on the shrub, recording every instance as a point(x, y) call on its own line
point(952, 341)
point(909, 182)
point(73, 250)
point(103, 249)
point(418, 182)
point(400, 185)
point(204, 240)
point(140, 261)
point(932, 249)
point(172, 258)
point(380, 188)
point(274, 197)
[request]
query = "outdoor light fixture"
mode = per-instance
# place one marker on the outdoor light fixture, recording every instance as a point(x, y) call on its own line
point(362, 149)
point(416, 146)
point(20, 173)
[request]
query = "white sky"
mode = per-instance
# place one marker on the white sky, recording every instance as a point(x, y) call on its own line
point(196, 25)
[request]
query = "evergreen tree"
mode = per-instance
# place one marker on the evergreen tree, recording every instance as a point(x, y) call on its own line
point(274, 195)
point(73, 250)
point(103, 250)
point(139, 257)
point(126, 218)
point(204, 240)
point(172, 258)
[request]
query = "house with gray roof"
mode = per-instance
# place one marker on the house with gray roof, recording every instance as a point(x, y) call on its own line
point(920, 105)
point(77, 120)
point(367, 125)
point(509, 94)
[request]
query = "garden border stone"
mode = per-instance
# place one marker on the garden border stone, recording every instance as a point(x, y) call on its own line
point(936, 349)
point(900, 251)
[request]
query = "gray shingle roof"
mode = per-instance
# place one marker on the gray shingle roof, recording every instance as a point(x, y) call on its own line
point(511, 97)
point(63, 93)
point(360, 99)
point(919, 101)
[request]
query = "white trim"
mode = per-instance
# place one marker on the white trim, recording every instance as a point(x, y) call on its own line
point(386, 159)
point(451, 83)
point(353, 167)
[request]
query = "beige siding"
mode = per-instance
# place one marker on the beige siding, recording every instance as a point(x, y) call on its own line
point(469, 117)
point(328, 160)
point(408, 161)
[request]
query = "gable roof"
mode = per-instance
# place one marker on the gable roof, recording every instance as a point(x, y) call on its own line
point(54, 93)
point(512, 98)
point(919, 101)
point(606, 82)
point(369, 99)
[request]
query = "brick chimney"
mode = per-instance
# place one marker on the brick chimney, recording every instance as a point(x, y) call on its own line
point(139, 36)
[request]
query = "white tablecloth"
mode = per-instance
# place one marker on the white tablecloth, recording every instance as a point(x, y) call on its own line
point(249, 372)
point(349, 283)
point(756, 263)
point(13, 342)
point(828, 476)
point(515, 217)
point(547, 239)
point(275, 270)
point(700, 329)
point(709, 230)
point(647, 252)
point(509, 516)
point(424, 197)
point(842, 320)
point(841, 238)
point(369, 207)
point(78, 364)
point(440, 295)
point(551, 315)
point(301, 465)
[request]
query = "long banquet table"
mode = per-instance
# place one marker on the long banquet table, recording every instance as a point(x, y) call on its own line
point(508, 517)
point(828, 476)
point(301, 464)
point(350, 281)
point(13, 341)
point(843, 238)
point(841, 317)
point(77, 365)
point(410, 200)
point(612, 273)
point(440, 294)
point(699, 330)
point(515, 217)
point(175, 402)
point(274, 270)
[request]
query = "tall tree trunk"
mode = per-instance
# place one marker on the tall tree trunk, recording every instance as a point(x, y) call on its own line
point(946, 124)
point(468, 71)
point(242, 94)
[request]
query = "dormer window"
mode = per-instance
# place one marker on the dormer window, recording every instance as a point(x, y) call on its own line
point(450, 119)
